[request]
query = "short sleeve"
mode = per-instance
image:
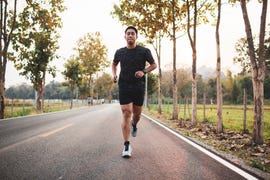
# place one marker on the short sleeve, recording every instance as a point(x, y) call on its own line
point(149, 56)
point(116, 57)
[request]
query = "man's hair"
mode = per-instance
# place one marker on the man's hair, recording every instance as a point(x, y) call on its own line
point(131, 27)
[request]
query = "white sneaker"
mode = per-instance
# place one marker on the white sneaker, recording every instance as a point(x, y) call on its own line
point(127, 150)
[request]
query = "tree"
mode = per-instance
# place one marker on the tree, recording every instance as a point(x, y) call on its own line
point(218, 69)
point(192, 41)
point(104, 86)
point(92, 55)
point(242, 57)
point(258, 69)
point(7, 26)
point(73, 77)
point(200, 15)
point(35, 42)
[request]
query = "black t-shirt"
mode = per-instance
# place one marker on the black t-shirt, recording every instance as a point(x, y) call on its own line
point(132, 60)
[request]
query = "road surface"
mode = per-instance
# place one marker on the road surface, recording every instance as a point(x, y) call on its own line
point(87, 143)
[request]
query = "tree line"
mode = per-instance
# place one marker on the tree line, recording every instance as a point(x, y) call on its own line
point(232, 87)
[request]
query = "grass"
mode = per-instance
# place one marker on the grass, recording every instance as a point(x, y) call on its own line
point(233, 116)
point(29, 109)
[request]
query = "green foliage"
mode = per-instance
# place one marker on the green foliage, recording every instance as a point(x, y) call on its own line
point(56, 90)
point(260, 166)
point(35, 39)
point(242, 50)
point(154, 18)
point(103, 86)
point(91, 54)
point(22, 91)
point(73, 75)
point(152, 80)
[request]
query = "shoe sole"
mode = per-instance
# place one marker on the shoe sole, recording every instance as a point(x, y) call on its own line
point(126, 156)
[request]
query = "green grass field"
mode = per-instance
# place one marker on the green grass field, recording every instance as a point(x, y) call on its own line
point(233, 116)
point(28, 109)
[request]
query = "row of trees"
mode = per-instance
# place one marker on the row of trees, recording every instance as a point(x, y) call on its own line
point(32, 34)
point(82, 68)
point(232, 88)
point(29, 38)
point(158, 19)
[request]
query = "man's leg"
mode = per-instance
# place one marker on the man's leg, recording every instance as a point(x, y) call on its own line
point(126, 112)
point(137, 110)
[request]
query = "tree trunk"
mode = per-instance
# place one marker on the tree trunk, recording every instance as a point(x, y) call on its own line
point(218, 68)
point(185, 106)
point(175, 102)
point(245, 111)
point(2, 98)
point(146, 91)
point(4, 44)
point(258, 70)
point(71, 96)
point(204, 106)
point(192, 41)
point(40, 96)
point(39, 99)
point(43, 91)
point(194, 91)
point(159, 79)
point(258, 111)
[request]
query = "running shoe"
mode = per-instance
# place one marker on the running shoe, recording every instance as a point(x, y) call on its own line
point(127, 150)
point(133, 129)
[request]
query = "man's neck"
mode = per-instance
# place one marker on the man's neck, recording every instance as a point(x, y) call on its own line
point(131, 46)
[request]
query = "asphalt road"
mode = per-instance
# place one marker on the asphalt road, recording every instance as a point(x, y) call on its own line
point(87, 143)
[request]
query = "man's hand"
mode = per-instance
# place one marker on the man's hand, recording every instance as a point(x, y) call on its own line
point(114, 78)
point(139, 74)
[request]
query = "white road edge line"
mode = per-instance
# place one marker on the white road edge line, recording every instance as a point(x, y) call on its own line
point(212, 155)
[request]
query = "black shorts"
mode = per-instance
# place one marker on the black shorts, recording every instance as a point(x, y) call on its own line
point(131, 93)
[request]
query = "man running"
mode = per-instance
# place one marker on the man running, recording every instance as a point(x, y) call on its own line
point(131, 83)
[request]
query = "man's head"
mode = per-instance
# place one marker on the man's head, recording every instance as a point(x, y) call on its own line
point(131, 35)
point(131, 27)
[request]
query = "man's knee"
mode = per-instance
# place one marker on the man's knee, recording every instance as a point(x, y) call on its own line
point(126, 111)
point(136, 115)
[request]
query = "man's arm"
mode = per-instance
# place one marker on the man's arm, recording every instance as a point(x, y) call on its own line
point(151, 67)
point(114, 72)
point(141, 73)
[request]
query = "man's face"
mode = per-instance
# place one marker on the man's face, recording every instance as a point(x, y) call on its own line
point(131, 36)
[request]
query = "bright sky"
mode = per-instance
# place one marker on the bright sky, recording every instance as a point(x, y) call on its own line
point(84, 16)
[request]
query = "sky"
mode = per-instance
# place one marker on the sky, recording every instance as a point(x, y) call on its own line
point(89, 16)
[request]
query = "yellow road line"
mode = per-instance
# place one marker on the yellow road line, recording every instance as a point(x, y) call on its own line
point(55, 131)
